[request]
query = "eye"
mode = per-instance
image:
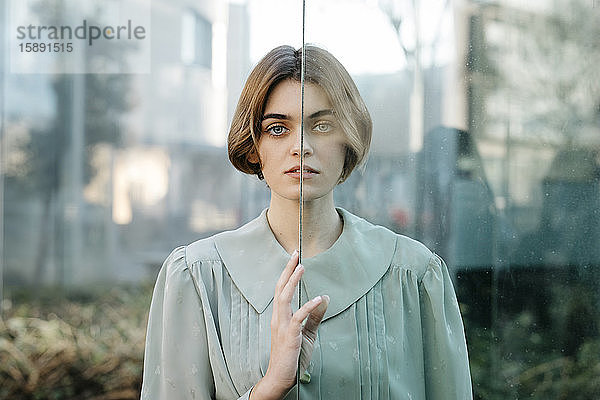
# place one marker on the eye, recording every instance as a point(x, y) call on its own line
point(277, 130)
point(323, 127)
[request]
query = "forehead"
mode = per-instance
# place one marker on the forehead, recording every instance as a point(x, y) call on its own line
point(285, 98)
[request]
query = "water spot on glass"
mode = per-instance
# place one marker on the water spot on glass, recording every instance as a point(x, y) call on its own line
point(355, 355)
point(157, 370)
point(171, 383)
point(333, 345)
point(194, 369)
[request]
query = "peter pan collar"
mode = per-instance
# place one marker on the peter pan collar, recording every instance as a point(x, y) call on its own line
point(346, 271)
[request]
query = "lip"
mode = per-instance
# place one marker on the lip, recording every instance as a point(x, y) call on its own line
point(294, 172)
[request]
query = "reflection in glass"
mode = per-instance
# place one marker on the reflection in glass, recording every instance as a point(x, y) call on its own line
point(505, 185)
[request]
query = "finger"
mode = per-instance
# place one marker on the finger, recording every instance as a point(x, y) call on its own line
point(306, 350)
point(303, 312)
point(290, 287)
point(287, 272)
point(315, 318)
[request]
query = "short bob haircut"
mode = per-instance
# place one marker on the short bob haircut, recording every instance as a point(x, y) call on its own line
point(322, 69)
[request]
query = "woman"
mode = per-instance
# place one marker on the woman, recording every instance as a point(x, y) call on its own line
point(383, 321)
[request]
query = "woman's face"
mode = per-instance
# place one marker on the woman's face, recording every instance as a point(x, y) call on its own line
point(279, 144)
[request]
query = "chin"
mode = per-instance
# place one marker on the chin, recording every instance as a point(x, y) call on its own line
point(309, 195)
point(312, 190)
point(286, 193)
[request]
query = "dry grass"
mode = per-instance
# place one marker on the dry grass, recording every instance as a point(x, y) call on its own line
point(73, 346)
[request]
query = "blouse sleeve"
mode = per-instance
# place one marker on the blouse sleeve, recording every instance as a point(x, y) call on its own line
point(176, 362)
point(446, 362)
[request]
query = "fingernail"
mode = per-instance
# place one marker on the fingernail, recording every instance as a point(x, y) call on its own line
point(316, 299)
point(299, 267)
point(294, 253)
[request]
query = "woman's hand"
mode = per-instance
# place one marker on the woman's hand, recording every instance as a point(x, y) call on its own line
point(288, 336)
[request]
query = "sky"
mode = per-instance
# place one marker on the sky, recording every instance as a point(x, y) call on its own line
point(357, 32)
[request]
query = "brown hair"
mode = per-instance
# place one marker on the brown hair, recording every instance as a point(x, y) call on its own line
point(322, 69)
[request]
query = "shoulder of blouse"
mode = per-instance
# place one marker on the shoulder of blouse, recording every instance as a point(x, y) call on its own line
point(202, 250)
point(186, 259)
point(175, 262)
point(413, 255)
point(194, 261)
point(408, 254)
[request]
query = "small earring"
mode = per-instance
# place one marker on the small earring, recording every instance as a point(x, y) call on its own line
point(260, 175)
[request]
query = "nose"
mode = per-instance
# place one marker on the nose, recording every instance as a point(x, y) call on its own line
point(295, 149)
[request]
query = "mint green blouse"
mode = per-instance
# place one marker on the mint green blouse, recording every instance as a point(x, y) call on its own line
point(392, 330)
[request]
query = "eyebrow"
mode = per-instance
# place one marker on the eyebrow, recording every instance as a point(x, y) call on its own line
point(287, 117)
point(275, 116)
point(321, 113)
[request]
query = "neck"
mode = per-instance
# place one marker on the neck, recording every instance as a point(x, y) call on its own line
point(321, 225)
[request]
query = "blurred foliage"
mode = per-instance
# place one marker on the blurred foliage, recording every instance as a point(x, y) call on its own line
point(548, 348)
point(73, 345)
point(529, 369)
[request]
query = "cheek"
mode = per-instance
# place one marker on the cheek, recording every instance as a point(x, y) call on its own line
point(266, 153)
point(338, 153)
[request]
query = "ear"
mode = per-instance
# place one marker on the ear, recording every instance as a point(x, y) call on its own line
point(253, 157)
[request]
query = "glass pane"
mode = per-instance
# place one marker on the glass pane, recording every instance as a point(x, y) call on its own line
point(486, 148)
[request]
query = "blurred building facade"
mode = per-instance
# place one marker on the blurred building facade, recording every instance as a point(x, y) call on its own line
point(97, 193)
